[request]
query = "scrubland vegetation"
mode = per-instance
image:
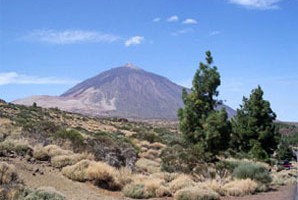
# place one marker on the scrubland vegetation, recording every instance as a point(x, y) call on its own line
point(205, 156)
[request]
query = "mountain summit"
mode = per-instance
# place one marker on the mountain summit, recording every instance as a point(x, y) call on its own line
point(126, 91)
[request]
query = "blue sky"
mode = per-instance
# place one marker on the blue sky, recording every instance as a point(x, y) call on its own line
point(48, 46)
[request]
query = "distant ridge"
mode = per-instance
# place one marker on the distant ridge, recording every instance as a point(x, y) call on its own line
point(126, 91)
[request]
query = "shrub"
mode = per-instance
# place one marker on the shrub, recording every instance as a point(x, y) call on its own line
point(103, 175)
point(64, 160)
point(20, 147)
point(145, 187)
point(215, 186)
point(240, 187)
point(182, 181)
point(148, 165)
point(124, 176)
point(46, 193)
point(40, 153)
point(135, 191)
point(77, 172)
point(196, 193)
point(8, 173)
point(73, 135)
point(253, 171)
point(53, 150)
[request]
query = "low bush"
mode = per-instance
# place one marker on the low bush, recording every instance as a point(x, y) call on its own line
point(20, 147)
point(135, 191)
point(146, 187)
point(8, 173)
point(148, 165)
point(196, 193)
point(103, 175)
point(240, 187)
point(252, 171)
point(73, 135)
point(182, 181)
point(54, 150)
point(64, 160)
point(46, 193)
point(77, 172)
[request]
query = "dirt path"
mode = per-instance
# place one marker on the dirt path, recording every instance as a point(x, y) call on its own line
point(282, 193)
point(38, 175)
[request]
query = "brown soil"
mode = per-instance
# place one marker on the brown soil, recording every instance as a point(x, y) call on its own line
point(287, 192)
point(41, 174)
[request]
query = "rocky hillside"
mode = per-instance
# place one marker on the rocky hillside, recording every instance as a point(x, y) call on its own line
point(126, 91)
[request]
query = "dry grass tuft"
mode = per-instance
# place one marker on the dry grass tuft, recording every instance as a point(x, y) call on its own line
point(145, 187)
point(77, 172)
point(196, 193)
point(8, 173)
point(64, 160)
point(215, 186)
point(182, 181)
point(124, 176)
point(148, 165)
point(54, 150)
point(240, 187)
point(168, 177)
point(103, 175)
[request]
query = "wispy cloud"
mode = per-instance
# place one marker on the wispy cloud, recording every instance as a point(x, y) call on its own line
point(257, 4)
point(135, 40)
point(173, 18)
point(182, 31)
point(15, 78)
point(190, 21)
point(70, 36)
point(157, 19)
point(214, 33)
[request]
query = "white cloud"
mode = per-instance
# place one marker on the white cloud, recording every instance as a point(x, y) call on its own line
point(69, 36)
point(15, 78)
point(182, 31)
point(214, 33)
point(257, 4)
point(190, 21)
point(157, 19)
point(135, 40)
point(173, 19)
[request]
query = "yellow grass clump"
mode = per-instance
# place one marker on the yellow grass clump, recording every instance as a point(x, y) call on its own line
point(146, 187)
point(196, 193)
point(8, 173)
point(240, 187)
point(182, 181)
point(103, 175)
point(64, 160)
point(54, 150)
point(148, 165)
point(77, 172)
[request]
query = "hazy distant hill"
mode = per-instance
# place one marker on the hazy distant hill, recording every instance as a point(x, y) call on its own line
point(125, 91)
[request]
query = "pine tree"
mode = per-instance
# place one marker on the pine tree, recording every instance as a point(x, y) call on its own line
point(254, 131)
point(199, 122)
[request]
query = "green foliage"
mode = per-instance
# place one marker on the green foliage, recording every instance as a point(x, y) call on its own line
point(253, 171)
point(199, 122)
point(135, 191)
point(73, 135)
point(254, 132)
point(284, 151)
point(44, 194)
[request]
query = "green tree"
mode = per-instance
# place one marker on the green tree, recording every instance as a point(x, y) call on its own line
point(199, 122)
point(253, 126)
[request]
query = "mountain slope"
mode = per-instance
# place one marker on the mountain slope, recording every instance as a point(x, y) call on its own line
point(125, 91)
